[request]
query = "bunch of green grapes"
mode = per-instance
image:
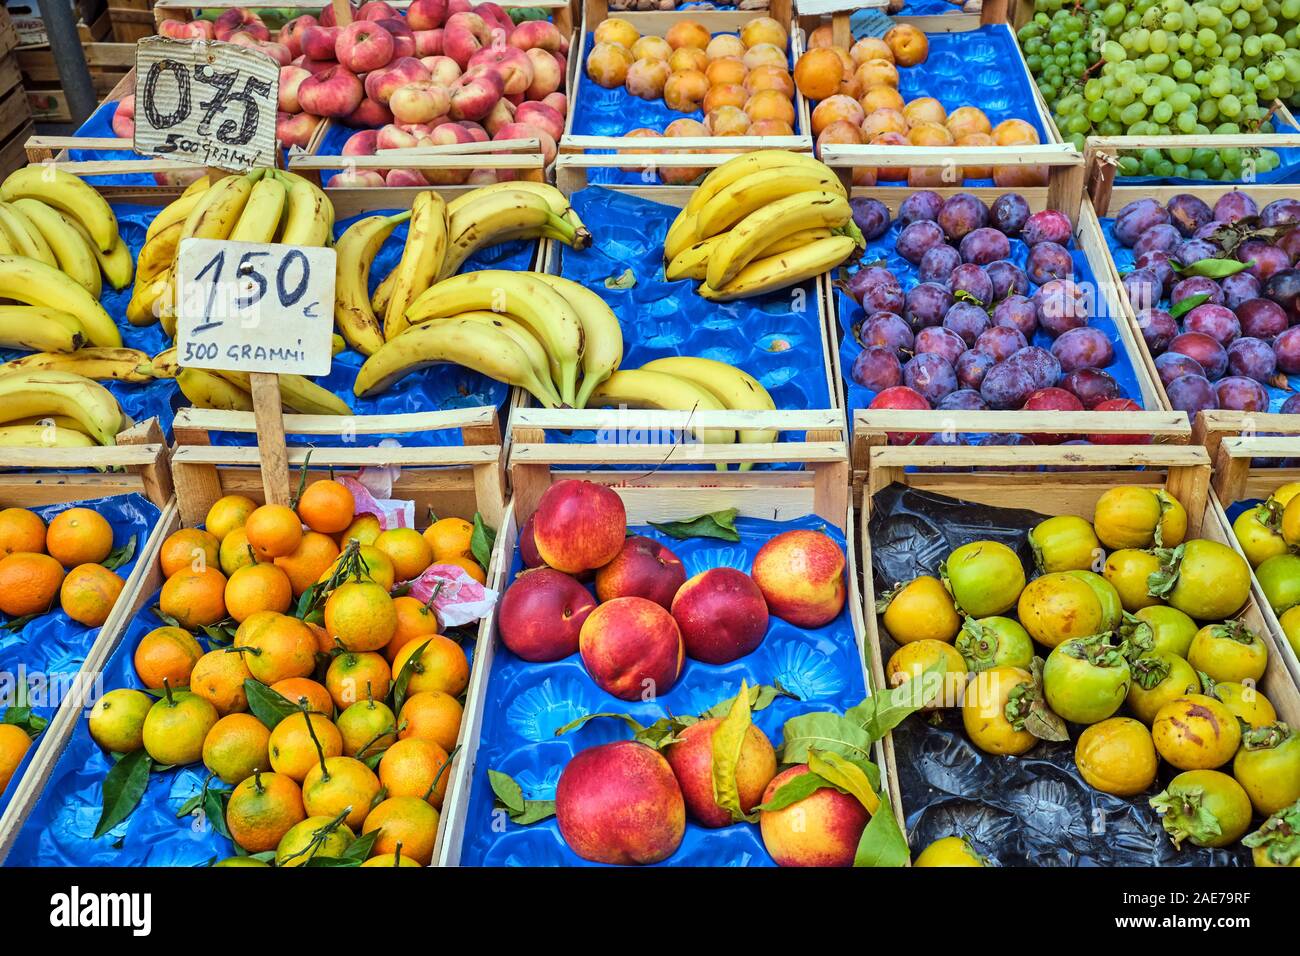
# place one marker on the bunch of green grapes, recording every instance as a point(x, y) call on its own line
point(1059, 47)
point(1160, 67)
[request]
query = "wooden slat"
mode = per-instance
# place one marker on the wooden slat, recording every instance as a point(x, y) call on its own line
point(450, 455)
point(1036, 456)
point(210, 419)
point(702, 454)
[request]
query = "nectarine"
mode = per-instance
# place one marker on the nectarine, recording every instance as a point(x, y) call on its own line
point(721, 614)
point(687, 58)
point(691, 758)
point(876, 73)
point(883, 120)
point(727, 121)
point(967, 119)
point(728, 95)
point(1014, 132)
point(646, 78)
point(801, 575)
point(925, 109)
point(929, 134)
point(822, 829)
point(643, 568)
point(579, 526)
point(652, 48)
point(632, 648)
point(541, 615)
point(765, 54)
point(870, 48)
point(881, 98)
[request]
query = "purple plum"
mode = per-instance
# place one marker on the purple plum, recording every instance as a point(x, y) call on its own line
point(1007, 278)
point(962, 213)
point(1188, 212)
point(1241, 394)
point(984, 245)
point(1158, 329)
point(1192, 394)
point(1206, 350)
point(1216, 321)
point(1047, 261)
point(930, 375)
point(1009, 213)
point(926, 304)
point(1083, 348)
point(917, 239)
point(877, 369)
point(1017, 312)
point(1091, 386)
point(1001, 341)
point(937, 264)
point(922, 204)
point(1251, 358)
point(973, 280)
point(972, 366)
point(1172, 365)
point(871, 216)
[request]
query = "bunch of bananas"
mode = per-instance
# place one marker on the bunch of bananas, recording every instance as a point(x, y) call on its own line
point(264, 205)
point(762, 221)
point(232, 391)
point(49, 408)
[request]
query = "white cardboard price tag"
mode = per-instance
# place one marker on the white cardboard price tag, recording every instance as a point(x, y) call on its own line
point(206, 102)
point(255, 307)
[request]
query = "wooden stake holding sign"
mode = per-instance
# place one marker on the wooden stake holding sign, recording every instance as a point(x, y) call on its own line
point(261, 310)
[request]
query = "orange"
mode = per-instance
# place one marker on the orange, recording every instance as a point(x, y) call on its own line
point(227, 514)
point(29, 583)
point(344, 783)
point(236, 552)
point(326, 506)
point(406, 822)
point(194, 598)
point(167, 654)
point(218, 677)
point(235, 747)
point(284, 647)
point(391, 859)
point(189, 548)
point(21, 530)
point(410, 767)
point(365, 528)
point(431, 715)
point(414, 619)
point(79, 536)
point(294, 753)
point(368, 727)
point(471, 568)
point(313, 556)
point(262, 810)
point(360, 616)
point(89, 593)
point(175, 727)
point(356, 677)
point(259, 587)
point(408, 551)
point(300, 690)
point(273, 531)
point(449, 537)
point(442, 665)
point(377, 567)
point(252, 625)
point(14, 744)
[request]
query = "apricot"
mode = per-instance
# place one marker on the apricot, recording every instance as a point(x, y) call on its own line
point(686, 90)
point(1020, 176)
point(681, 175)
point(890, 174)
point(925, 109)
point(726, 70)
point(608, 64)
point(881, 97)
point(730, 94)
point(687, 58)
point(909, 44)
point(646, 78)
point(764, 30)
point(724, 44)
point(976, 139)
point(1014, 132)
point(770, 104)
point(839, 132)
point(770, 127)
point(616, 30)
point(688, 33)
point(686, 127)
point(870, 48)
point(770, 78)
point(929, 134)
point(864, 176)
point(652, 48)
point(834, 109)
point(818, 73)
point(765, 54)
point(884, 120)
point(968, 119)
point(823, 36)
point(875, 73)
point(727, 121)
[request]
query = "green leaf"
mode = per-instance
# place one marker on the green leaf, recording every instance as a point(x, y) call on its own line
point(719, 524)
point(626, 280)
point(883, 842)
point(403, 679)
point(1181, 308)
point(307, 600)
point(120, 556)
point(24, 718)
point(214, 808)
point(581, 721)
point(1213, 268)
point(826, 732)
point(727, 741)
point(535, 811)
point(359, 849)
point(124, 785)
point(884, 710)
point(664, 731)
point(166, 618)
point(847, 776)
point(760, 697)
point(794, 790)
point(221, 634)
point(481, 541)
point(511, 797)
point(267, 705)
point(16, 624)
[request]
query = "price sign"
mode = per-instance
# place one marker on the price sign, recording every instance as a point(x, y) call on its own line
point(206, 102)
point(254, 307)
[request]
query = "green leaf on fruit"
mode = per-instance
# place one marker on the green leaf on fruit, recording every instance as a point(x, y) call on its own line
point(719, 524)
point(580, 721)
point(847, 776)
point(664, 731)
point(124, 785)
point(1213, 268)
point(24, 717)
point(403, 679)
point(120, 556)
point(825, 732)
point(625, 280)
point(1160, 583)
point(481, 541)
point(511, 798)
point(267, 705)
point(1186, 816)
point(884, 710)
point(728, 739)
point(1279, 836)
point(760, 697)
point(883, 842)
point(16, 624)
point(794, 790)
point(1182, 307)
point(961, 295)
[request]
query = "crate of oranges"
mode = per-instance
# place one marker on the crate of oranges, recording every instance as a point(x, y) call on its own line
point(71, 565)
point(292, 689)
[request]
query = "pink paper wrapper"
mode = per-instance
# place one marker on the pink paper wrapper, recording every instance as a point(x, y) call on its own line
point(460, 600)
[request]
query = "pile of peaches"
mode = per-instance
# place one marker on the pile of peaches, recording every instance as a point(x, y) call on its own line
point(858, 102)
point(741, 83)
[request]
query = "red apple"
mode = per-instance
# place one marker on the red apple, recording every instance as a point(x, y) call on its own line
point(691, 758)
point(801, 575)
point(643, 568)
point(426, 14)
point(619, 803)
point(291, 77)
point(822, 829)
point(542, 613)
point(721, 614)
point(335, 92)
point(579, 525)
point(364, 46)
point(632, 648)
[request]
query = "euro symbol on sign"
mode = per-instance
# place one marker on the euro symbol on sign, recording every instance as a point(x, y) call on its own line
point(310, 311)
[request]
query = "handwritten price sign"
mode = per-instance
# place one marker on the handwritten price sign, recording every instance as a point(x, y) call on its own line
point(206, 102)
point(255, 307)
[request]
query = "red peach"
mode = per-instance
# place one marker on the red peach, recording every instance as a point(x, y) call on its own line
point(405, 178)
point(403, 45)
point(643, 568)
point(291, 33)
point(542, 613)
point(370, 114)
point(537, 35)
point(419, 102)
point(501, 114)
point(558, 102)
point(174, 29)
point(234, 19)
point(295, 129)
point(426, 14)
point(579, 525)
point(619, 803)
point(801, 575)
point(381, 84)
point(518, 130)
point(548, 76)
point(277, 52)
point(327, 14)
point(477, 133)
point(475, 93)
point(632, 648)
point(464, 35)
point(376, 10)
point(822, 829)
point(123, 122)
point(202, 30)
point(428, 42)
point(514, 66)
point(448, 133)
point(721, 614)
point(364, 46)
point(496, 16)
point(691, 758)
point(442, 69)
point(335, 92)
point(394, 137)
point(361, 143)
point(542, 116)
point(318, 42)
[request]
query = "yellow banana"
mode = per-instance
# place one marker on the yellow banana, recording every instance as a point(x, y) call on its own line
point(751, 193)
point(66, 193)
point(218, 208)
point(177, 211)
point(26, 280)
point(524, 339)
point(733, 387)
point(602, 336)
point(197, 186)
point(421, 262)
point(260, 219)
point(545, 312)
point(40, 393)
point(638, 388)
point(554, 198)
point(502, 216)
point(785, 269)
point(25, 237)
point(158, 254)
point(208, 390)
point(383, 291)
point(805, 210)
point(475, 345)
point(56, 421)
point(34, 328)
point(681, 235)
point(337, 344)
point(117, 265)
point(8, 247)
point(693, 262)
point(75, 255)
point(354, 254)
point(43, 436)
point(145, 305)
point(163, 365)
point(103, 365)
point(297, 394)
point(310, 217)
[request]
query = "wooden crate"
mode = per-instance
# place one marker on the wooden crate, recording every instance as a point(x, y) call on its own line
point(1016, 481)
point(108, 64)
point(1234, 440)
point(819, 489)
point(130, 25)
point(518, 155)
point(454, 480)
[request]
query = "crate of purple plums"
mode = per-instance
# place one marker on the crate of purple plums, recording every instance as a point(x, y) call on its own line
point(990, 298)
point(1208, 279)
